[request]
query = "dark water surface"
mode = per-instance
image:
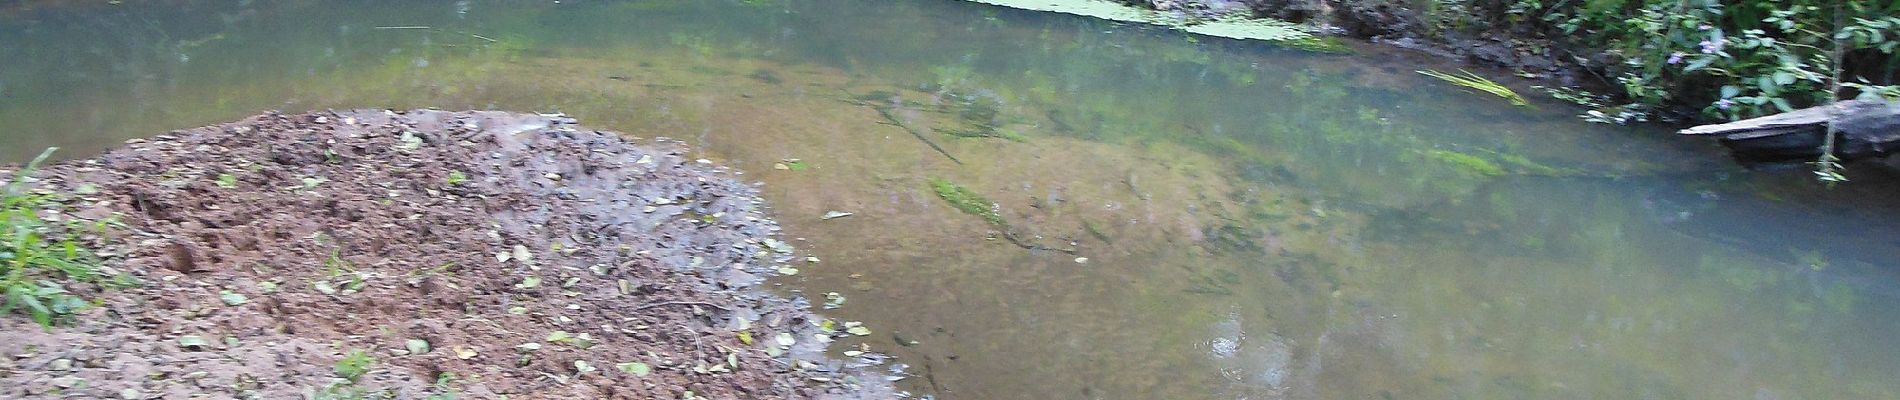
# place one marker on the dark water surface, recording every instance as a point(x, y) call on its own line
point(1247, 222)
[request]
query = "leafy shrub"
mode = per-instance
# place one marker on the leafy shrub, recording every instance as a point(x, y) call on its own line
point(1734, 59)
point(353, 365)
point(35, 254)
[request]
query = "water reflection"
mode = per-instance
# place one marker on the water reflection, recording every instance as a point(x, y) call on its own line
point(1248, 222)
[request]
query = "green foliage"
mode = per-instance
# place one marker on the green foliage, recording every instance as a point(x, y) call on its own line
point(1479, 83)
point(1734, 59)
point(965, 200)
point(1467, 162)
point(346, 391)
point(353, 365)
point(36, 255)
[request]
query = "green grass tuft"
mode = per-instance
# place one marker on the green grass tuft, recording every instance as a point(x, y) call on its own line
point(353, 365)
point(1481, 84)
point(36, 256)
point(965, 200)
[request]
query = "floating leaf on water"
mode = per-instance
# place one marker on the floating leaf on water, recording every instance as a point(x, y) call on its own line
point(559, 336)
point(312, 181)
point(834, 300)
point(502, 257)
point(785, 339)
point(416, 346)
point(792, 164)
point(745, 337)
point(232, 298)
point(227, 181)
point(778, 246)
point(1081, 260)
point(732, 359)
point(813, 260)
point(635, 368)
point(528, 346)
point(267, 287)
point(528, 283)
point(828, 326)
point(582, 367)
point(855, 328)
point(829, 215)
point(787, 270)
point(323, 287)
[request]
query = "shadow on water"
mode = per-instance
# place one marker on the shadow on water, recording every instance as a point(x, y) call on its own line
point(1246, 222)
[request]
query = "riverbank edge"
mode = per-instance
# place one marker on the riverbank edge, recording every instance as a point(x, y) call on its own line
point(404, 254)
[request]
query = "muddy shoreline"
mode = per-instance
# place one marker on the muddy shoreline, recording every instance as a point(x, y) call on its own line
point(475, 254)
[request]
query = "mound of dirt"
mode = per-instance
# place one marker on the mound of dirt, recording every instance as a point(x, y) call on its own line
point(465, 254)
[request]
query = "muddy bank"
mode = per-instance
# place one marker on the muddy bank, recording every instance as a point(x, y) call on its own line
point(476, 254)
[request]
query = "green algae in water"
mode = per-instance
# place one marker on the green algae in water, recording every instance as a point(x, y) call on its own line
point(1467, 162)
point(965, 200)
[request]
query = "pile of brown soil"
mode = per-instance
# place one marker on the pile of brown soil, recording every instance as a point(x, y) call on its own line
point(475, 254)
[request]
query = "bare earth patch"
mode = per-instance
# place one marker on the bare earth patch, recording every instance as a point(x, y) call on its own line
point(473, 254)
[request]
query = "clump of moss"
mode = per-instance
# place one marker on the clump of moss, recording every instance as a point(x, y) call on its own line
point(1467, 162)
point(965, 200)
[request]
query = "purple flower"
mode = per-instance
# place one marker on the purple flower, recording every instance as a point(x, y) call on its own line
point(1723, 104)
point(1675, 58)
point(1712, 46)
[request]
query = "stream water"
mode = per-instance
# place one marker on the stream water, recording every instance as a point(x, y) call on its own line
point(1177, 217)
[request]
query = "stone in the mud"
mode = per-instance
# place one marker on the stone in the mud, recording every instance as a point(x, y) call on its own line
point(183, 257)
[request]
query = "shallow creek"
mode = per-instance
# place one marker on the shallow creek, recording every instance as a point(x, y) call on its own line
point(1171, 216)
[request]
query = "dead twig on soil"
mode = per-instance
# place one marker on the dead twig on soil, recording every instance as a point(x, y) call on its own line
point(681, 303)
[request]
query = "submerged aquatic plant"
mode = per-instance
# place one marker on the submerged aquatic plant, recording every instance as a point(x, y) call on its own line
point(965, 200)
point(1479, 83)
point(1467, 162)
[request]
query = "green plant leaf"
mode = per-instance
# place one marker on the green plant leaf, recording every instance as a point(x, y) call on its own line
point(232, 298)
point(416, 346)
point(636, 368)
